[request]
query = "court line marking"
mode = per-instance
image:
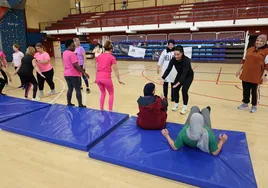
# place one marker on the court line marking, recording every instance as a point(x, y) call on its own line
point(63, 88)
point(219, 75)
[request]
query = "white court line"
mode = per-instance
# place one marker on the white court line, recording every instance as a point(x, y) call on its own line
point(63, 88)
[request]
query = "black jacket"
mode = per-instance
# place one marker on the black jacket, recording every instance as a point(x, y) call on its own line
point(183, 68)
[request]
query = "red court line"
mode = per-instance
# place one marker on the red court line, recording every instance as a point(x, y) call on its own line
point(209, 96)
point(219, 74)
point(195, 67)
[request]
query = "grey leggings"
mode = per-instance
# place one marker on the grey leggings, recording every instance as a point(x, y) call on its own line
point(205, 113)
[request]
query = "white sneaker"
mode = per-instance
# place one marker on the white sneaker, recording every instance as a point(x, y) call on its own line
point(175, 107)
point(52, 92)
point(36, 99)
point(184, 110)
point(41, 93)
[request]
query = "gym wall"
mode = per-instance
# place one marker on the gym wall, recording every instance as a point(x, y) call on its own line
point(45, 11)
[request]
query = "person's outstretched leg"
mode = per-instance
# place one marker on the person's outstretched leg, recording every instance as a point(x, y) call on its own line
point(103, 94)
point(194, 109)
point(70, 90)
point(206, 115)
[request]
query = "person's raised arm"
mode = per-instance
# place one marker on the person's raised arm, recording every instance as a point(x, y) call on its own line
point(165, 133)
point(222, 140)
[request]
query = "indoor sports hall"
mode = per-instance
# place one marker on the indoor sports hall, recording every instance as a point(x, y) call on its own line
point(102, 94)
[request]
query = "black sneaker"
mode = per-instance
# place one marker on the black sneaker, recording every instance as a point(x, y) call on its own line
point(81, 88)
point(2, 94)
point(70, 104)
point(82, 106)
point(22, 86)
point(209, 108)
point(88, 90)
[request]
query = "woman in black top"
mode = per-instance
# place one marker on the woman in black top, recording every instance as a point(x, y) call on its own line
point(184, 77)
point(2, 81)
point(28, 64)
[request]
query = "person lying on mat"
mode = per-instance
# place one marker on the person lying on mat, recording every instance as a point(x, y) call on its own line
point(197, 132)
point(152, 109)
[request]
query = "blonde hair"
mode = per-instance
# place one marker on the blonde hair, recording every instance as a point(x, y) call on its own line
point(30, 51)
point(108, 45)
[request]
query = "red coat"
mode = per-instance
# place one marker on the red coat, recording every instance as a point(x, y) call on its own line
point(152, 113)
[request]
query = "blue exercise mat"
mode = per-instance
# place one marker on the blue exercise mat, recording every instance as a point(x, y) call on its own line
point(11, 107)
point(78, 128)
point(148, 151)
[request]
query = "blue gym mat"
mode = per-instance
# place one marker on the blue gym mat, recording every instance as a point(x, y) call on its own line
point(78, 128)
point(148, 151)
point(11, 107)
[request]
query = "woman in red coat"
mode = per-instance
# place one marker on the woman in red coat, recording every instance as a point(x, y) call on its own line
point(152, 109)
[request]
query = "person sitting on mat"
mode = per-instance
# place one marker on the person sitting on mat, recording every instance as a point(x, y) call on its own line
point(152, 109)
point(197, 132)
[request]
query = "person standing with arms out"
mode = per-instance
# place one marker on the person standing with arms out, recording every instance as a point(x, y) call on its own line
point(3, 61)
point(253, 71)
point(44, 64)
point(17, 56)
point(73, 73)
point(81, 55)
point(163, 63)
point(25, 70)
point(184, 77)
point(2, 81)
point(104, 64)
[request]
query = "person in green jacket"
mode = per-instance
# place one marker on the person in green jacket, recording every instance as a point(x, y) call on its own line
point(197, 132)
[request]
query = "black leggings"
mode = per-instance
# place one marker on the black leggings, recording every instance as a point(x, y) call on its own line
point(21, 81)
point(49, 79)
point(250, 88)
point(5, 76)
point(29, 81)
point(74, 82)
point(84, 77)
point(2, 84)
point(165, 90)
point(185, 88)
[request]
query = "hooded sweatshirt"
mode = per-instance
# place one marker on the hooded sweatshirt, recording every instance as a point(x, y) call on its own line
point(152, 112)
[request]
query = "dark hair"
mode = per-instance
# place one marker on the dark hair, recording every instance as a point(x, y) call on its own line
point(99, 45)
point(16, 46)
point(68, 43)
point(179, 48)
point(40, 45)
point(171, 41)
point(108, 45)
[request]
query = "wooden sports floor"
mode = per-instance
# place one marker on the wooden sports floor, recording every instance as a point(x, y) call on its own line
point(29, 163)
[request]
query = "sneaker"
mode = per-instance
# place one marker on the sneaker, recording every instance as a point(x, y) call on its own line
point(2, 94)
point(36, 99)
point(52, 92)
point(70, 104)
point(209, 108)
point(81, 88)
point(253, 109)
point(243, 106)
point(20, 87)
point(41, 93)
point(184, 110)
point(175, 107)
point(88, 90)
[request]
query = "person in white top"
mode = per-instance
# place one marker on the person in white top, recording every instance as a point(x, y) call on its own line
point(17, 56)
point(163, 63)
point(97, 50)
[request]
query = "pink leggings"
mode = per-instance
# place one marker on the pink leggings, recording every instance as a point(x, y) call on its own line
point(103, 85)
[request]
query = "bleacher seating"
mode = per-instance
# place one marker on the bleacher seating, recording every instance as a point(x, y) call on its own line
point(194, 12)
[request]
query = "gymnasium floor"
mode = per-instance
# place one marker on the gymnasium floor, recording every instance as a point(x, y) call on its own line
point(30, 163)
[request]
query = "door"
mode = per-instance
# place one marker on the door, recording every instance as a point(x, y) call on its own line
point(57, 49)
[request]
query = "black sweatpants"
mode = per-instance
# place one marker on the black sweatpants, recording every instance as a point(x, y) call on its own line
point(5, 76)
point(28, 81)
point(165, 90)
point(21, 81)
point(49, 79)
point(185, 88)
point(2, 85)
point(74, 82)
point(250, 88)
point(84, 77)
